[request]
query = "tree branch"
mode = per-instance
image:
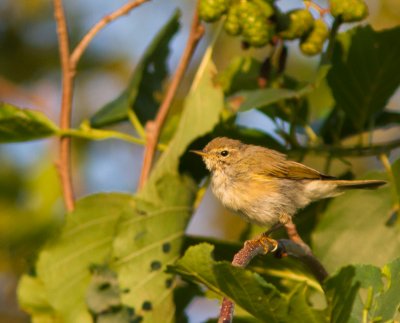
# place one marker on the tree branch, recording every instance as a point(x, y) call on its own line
point(281, 248)
point(69, 63)
point(153, 128)
point(84, 43)
point(290, 248)
point(64, 164)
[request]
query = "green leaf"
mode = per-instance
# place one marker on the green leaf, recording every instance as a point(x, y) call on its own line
point(241, 74)
point(388, 302)
point(247, 289)
point(364, 293)
point(63, 267)
point(337, 125)
point(23, 125)
point(342, 291)
point(353, 226)
point(262, 98)
point(85, 131)
point(103, 297)
point(285, 274)
point(300, 309)
point(204, 99)
point(33, 298)
point(103, 291)
point(365, 72)
point(149, 237)
point(145, 244)
point(145, 84)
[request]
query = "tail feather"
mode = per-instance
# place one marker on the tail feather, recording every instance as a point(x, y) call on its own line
point(360, 184)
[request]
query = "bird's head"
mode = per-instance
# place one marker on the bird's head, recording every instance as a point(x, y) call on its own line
point(220, 153)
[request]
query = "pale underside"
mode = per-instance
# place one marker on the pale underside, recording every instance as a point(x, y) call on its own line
point(267, 201)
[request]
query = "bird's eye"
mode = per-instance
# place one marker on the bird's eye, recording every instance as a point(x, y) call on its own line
point(224, 153)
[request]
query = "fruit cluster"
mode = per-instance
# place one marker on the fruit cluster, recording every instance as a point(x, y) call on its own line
point(258, 21)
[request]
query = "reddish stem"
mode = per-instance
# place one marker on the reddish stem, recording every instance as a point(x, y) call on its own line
point(64, 164)
point(153, 128)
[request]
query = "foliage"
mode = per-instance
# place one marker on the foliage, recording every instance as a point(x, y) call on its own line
point(265, 302)
point(116, 257)
point(145, 82)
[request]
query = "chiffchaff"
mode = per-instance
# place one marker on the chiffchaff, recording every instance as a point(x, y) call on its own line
point(264, 187)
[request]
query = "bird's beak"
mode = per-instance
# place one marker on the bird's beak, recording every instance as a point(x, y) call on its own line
point(199, 152)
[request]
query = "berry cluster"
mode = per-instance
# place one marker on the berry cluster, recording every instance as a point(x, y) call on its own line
point(258, 21)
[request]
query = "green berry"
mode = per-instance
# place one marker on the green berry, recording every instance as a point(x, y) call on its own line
point(313, 42)
point(265, 7)
point(301, 22)
point(256, 29)
point(349, 10)
point(232, 23)
point(212, 10)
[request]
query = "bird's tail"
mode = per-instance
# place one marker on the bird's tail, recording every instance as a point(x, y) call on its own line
point(359, 184)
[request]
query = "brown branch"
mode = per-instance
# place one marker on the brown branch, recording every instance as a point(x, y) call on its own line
point(64, 164)
point(68, 65)
point(88, 37)
point(153, 128)
point(251, 248)
point(290, 248)
point(281, 248)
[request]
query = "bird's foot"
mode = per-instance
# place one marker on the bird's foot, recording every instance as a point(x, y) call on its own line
point(268, 244)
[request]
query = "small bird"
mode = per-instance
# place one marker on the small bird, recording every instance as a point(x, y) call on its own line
point(264, 187)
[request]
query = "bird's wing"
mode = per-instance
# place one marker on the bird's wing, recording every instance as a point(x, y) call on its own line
point(299, 171)
point(276, 165)
point(293, 170)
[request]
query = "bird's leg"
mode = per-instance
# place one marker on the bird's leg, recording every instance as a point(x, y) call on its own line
point(283, 220)
point(272, 229)
point(293, 235)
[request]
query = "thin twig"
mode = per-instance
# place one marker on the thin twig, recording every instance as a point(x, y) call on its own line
point(293, 249)
point(64, 164)
point(357, 151)
point(281, 248)
point(84, 43)
point(317, 7)
point(327, 55)
point(153, 128)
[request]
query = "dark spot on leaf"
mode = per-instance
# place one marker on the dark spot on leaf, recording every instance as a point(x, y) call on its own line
point(137, 319)
point(141, 212)
point(126, 290)
point(147, 306)
point(166, 247)
point(115, 309)
point(104, 286)
point(131, 311)
point(155, 265)
point(168, 282)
